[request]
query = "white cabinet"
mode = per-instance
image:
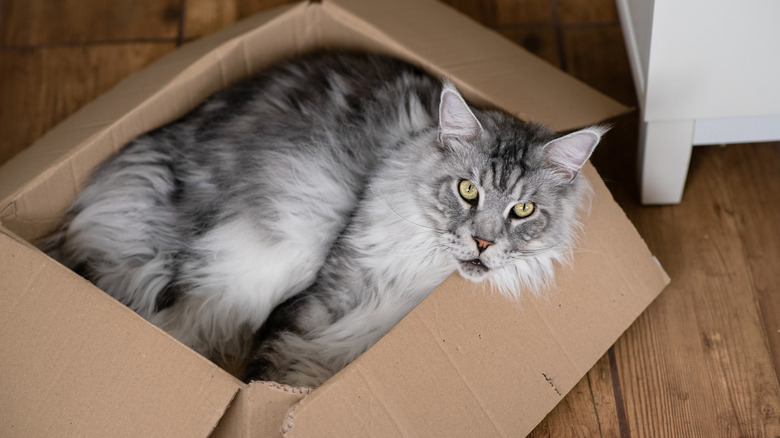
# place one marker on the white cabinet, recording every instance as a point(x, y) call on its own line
point(706, 72)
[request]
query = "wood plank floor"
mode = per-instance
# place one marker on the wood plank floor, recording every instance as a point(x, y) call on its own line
point(702, 361)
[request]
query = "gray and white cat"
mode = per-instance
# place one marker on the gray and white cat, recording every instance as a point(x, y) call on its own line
point(342, 186)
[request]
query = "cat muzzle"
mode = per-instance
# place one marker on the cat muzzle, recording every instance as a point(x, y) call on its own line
point(473, 268)
point(482, 244)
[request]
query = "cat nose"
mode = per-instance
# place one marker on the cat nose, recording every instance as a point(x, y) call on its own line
point(482, 244)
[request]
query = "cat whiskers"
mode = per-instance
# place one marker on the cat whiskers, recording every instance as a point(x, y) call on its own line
point(555, 246)
point(585, 251)
point(389, 207)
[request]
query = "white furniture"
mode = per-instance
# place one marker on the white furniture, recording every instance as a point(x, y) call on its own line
point(706, 72)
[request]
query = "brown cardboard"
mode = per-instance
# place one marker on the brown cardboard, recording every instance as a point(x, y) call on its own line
point(74, 362)
point(496, 367)
point(466, 362)
point(260, 409)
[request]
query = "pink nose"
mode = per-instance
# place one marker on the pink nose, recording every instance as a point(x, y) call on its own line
point(482, 244)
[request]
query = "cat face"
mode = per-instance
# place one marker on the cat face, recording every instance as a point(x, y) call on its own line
point(510, 198)
point(499, 215)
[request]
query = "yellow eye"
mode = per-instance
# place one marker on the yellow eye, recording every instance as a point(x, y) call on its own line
point(523, 209)
point(468, 190)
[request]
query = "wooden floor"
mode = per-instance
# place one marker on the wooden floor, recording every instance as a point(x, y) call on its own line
point(702, 361)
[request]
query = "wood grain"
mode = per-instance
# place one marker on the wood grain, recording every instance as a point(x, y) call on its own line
point(542, 41)
point(42, 86)
point(500, 13)
point(696, 362)
point(752, 175)
point(597, 56)
point(588, 410)
point(582, 12)
point(47, 22)
point(568, 419)
point(206, 16)
point(601, 381)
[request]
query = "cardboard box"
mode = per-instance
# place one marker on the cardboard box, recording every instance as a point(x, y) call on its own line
point(73, 361)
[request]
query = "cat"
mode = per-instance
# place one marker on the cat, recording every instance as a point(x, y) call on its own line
point(340, 187)
point(470, 190)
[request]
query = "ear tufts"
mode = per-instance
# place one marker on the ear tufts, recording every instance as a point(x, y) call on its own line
point(456, 120)
point(570, 152)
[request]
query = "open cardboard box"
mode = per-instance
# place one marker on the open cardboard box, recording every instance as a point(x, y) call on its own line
point(466, 362)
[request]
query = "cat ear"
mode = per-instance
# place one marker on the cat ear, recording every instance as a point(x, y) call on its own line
point(570, 152)
point(456, 121)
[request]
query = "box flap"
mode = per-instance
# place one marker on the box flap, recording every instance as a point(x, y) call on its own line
point(37, 184)
point(74, 362)
point(468, 362)
point(259, 410)
point(484, 64)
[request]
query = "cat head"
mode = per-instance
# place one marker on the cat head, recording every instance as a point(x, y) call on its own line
point(508, 193)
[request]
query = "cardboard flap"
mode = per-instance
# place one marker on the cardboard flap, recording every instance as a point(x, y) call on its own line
point(259, 410)
point(484, 64)
point(74, 362)
point(38, 184)
point(493, 366)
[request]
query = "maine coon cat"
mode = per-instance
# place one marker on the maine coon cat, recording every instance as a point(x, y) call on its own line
point(344, 186)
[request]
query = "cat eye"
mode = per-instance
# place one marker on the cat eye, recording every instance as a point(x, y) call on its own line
point(523, 209)
point(468, 191)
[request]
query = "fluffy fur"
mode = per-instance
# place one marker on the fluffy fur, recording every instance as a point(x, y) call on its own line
point(328, 184)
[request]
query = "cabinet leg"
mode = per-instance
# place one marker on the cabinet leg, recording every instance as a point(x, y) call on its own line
point(664, 155)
